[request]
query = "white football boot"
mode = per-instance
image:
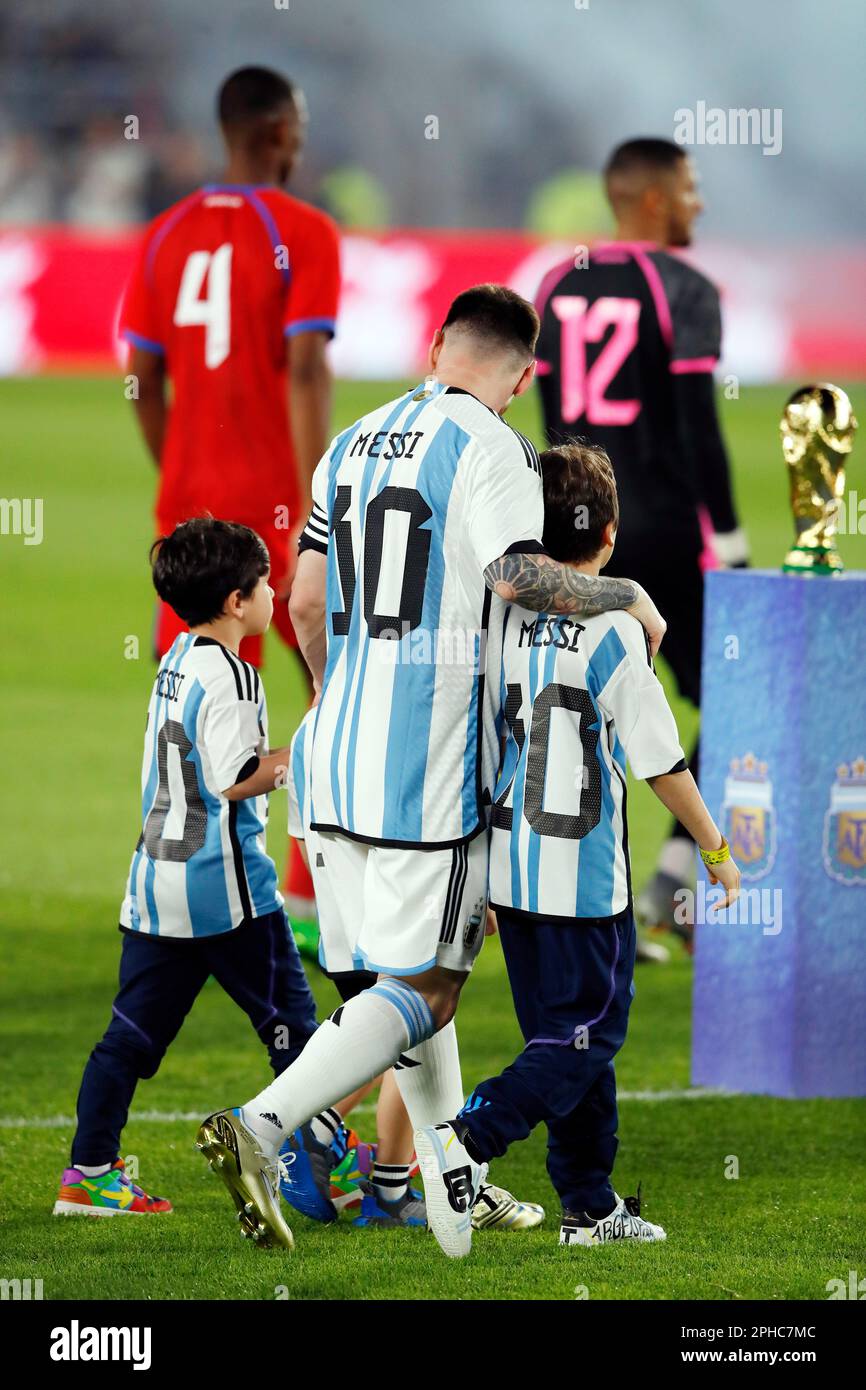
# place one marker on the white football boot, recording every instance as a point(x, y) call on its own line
point(623, 1223)
point(452, 1181)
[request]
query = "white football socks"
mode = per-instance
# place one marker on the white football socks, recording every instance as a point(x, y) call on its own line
point(390, 1181)
point(432, 1088)
point(358, 1041)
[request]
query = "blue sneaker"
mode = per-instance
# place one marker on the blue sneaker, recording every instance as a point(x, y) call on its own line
point(306, 1185)
point(408, 1210)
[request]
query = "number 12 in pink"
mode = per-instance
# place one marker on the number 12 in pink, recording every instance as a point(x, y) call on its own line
point(583, 390)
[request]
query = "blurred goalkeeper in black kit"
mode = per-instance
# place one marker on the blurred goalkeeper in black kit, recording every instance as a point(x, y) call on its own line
point(630, 337)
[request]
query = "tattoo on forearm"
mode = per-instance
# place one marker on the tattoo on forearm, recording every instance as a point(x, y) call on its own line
point(543, 584)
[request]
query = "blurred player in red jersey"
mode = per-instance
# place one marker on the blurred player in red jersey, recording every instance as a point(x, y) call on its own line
point(234, 299)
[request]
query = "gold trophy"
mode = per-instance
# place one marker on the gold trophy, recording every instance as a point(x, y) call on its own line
point(817, 428)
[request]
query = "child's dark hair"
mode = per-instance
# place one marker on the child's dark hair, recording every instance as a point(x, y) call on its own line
point(579, 500)
point(202, 562)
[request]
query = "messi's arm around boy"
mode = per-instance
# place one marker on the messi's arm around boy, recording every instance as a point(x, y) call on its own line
point(534, 580)
point(537, 581)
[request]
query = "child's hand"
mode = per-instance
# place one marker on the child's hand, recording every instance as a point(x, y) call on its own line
point(728, 875)
point(491, 927)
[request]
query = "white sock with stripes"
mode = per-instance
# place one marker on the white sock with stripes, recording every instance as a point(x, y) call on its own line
point(326, 1125)
point(429, 1080)
point(361, 1039)
point(390, 1181)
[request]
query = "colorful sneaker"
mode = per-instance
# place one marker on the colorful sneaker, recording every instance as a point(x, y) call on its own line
point(408, 1210)
point(352, 1141)
point(112, 1194)
point(155, 1204)
point(496, 1209)
point(623, 1223)
point(306, 1179)
point(348, 1176)
point(233, 1151)
point(344, 1140)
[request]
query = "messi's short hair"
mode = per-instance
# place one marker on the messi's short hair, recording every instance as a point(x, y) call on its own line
point(497, 317)
point(251, 94)
point(580, 499)
point(202, 562)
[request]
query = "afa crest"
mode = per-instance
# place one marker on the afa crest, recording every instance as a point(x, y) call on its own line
point(473, 926)
point(845, 826)
point(748, 817)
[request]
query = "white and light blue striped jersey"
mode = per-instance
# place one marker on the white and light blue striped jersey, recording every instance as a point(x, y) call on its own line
point(578, 699)
point(410, 505)
point(298, 784)
point(338, 929)
point(200, 866)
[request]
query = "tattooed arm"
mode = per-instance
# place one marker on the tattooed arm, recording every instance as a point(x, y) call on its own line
point(539, 582)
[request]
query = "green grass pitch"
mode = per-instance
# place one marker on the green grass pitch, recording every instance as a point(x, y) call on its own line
point(74, 697)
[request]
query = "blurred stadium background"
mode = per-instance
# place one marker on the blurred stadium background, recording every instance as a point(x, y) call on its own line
point(528, 100)
point(528, 103)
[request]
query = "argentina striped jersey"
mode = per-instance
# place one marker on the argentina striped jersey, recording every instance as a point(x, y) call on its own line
point(410, 505)
point(200, 866)
point(298, 785)
point(578, 700)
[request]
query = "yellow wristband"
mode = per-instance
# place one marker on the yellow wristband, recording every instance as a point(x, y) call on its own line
point(716, 856)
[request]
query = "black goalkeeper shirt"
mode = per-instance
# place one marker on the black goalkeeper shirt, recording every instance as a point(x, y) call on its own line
point(626, 354)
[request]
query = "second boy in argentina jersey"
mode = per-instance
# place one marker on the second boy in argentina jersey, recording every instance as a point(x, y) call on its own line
point(559, 845)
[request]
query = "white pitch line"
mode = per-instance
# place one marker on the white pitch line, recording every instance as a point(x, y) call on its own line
point(688, 1093)
point(170, 1117)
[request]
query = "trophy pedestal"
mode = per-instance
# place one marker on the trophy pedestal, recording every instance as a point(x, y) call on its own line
point(800, 560)
point(780, 986)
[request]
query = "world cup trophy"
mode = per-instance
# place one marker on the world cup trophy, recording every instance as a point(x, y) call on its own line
point(817, 428)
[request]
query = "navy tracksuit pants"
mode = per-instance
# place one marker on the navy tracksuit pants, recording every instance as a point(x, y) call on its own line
point(160, 979)
point(572, 984)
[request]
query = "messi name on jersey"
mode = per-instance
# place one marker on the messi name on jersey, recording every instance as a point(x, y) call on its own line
point(546, 631)
point(386, 444)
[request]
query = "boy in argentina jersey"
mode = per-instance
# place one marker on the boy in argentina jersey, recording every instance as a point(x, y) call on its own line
point(579, 699)
point(202, 896)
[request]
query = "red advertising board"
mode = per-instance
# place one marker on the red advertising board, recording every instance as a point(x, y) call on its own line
point(788, 313)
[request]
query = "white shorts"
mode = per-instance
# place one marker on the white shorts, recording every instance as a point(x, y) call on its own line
point(398, 911)
point(338, 928)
